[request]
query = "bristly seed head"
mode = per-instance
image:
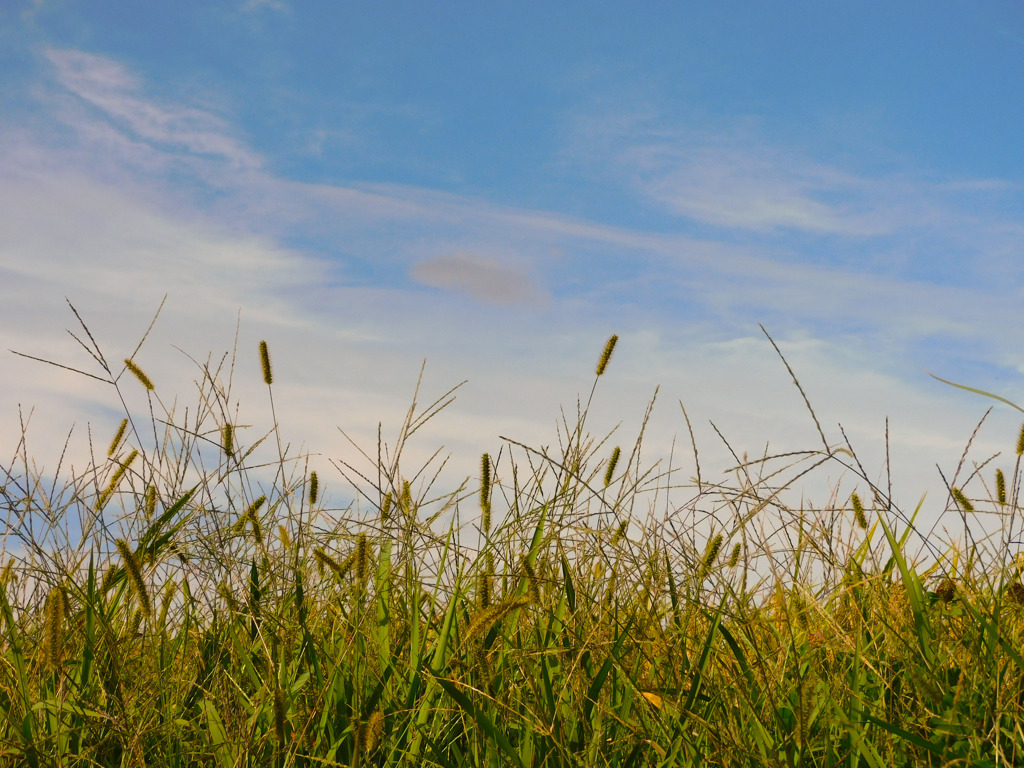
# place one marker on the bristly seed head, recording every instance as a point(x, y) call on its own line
point(612, 463)
point(485, 491)
point(134, 571)
point(734, 558)
point(229, 440)
point(1000, 487)
point(117, 438)
point(314, 488)
point(858, 512)
point(268, 374)
point(962, 500)
point(55, 625)
point(137, 372)
point(1020, 441)
point(362, 558)
point(609, 347)
point(709, 556)
point(150, 502)
point(385, 507)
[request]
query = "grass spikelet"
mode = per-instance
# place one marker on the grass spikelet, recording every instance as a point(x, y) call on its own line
point(1000, 487)
point(946, 590)
point(134, 571)
point(138, 373)
point(253, 519)
point(606, 355)
point(858, 512)
point(962, 500)
point(362, 558)
point(734, 558)
point(7, 575)
point(532, 584)
point(268, 374)
point(489, 616)
point(228, 440)
point(286, 540)
point(150, 502)
point(1020, 441)
point(620, 533)
point(339, 568)
point(117, 437)
point(55, 625)
point(372, 732)
point(407, 497)
point(612, 462)
point(485, 491)
point(314, 488)
point(385, 507)
point(714, 545)
point(114, 480)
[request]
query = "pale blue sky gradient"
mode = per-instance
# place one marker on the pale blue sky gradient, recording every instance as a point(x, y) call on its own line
point(497, 188)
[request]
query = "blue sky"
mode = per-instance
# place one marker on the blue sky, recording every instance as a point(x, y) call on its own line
point(499, 187)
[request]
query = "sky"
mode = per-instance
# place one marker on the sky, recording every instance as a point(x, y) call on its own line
point(495, 189)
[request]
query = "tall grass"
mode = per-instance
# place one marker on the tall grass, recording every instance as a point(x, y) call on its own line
point(185, 601)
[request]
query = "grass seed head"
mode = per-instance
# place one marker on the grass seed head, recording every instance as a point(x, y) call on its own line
point(55, 617)
point(134, 571)
point(858, 512)
point(713, 548)
point(606, 355)
point(268, 374)
point(962, 500)
point(485, 491)
point(612, 462)
point(314, 488)
point(362, 558)
point(228, 439)
point(385, 507)
point(150, 502)
point(734, 558)
point(373, 731)
point(138, 373)
point(1020, 441)
point(1000, 487)
point(117, 437)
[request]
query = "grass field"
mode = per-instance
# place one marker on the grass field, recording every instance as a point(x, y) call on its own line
point(186, 601)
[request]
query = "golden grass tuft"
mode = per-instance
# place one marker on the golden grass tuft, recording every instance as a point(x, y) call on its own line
point(117, 437)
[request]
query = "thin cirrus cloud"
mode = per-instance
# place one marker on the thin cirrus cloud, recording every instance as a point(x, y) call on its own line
point(483, 278)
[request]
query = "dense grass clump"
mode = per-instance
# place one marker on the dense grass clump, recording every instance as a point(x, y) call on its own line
point(183, 601)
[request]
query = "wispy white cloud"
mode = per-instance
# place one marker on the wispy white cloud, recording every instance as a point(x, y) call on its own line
point(349, 330)
point(107, 86)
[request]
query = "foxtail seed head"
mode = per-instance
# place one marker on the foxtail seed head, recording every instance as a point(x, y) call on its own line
point(268, 374)
point(734, 558)
point(485, 491)
point(362, 558)
point(858, 512)
point(1020, 441)
point(339, 568)
point(962, 500)
point(532, 584)
point(134, 571)
point(714, 546)
point(1000, 487)
point(612, 462)
point(314, 488)
point(114, 480)
point(373, 730)
point(253, 519)
point(229, 440)
point(55, 625)
point(606, 355)
point(138, 373)
point(117, 437)
point(150, 502)
point(385, 507)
